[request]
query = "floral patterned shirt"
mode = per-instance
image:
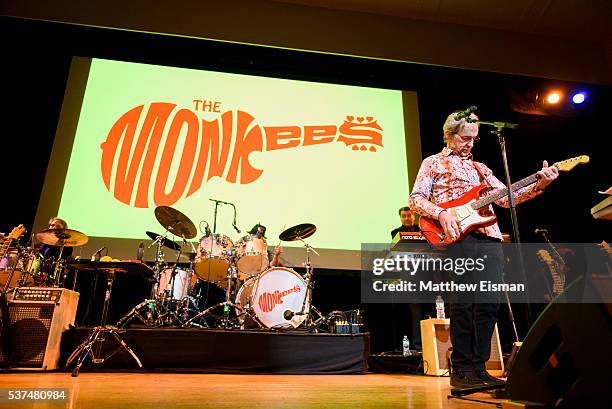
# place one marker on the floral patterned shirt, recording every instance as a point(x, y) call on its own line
point(447, 176)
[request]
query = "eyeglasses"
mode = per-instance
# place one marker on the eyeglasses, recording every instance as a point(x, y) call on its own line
point(468, 138)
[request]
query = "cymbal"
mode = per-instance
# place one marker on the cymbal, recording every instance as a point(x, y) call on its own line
point(62, 237)
point(165, 242)
point(175, 222)
point(301, 231)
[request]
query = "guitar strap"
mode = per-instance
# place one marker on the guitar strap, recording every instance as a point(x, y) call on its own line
point(480, 174)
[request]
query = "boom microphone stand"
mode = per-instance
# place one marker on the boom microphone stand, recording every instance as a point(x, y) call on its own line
point(499, 131)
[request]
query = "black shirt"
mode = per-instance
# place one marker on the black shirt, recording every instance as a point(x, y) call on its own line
point(405, 228)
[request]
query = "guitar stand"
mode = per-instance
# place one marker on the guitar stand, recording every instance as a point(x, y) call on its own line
point(92, 347)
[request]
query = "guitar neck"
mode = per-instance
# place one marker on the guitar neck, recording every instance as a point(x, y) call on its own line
point(499, 193)
point(5, 246)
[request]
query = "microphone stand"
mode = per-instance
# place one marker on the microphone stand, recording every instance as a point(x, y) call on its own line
point(499, 131)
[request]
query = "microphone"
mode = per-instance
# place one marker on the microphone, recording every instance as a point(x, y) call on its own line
point(236, 228)
point(288, 314)
point(94, 256)
point(466, 114)
point(541, 231)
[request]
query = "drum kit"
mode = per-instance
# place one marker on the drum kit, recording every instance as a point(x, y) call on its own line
point(42, 265)
point(256, 295)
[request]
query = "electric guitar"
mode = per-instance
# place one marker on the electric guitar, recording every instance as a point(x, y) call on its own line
point(14, 234)
point(556, 271)
point(472, 209)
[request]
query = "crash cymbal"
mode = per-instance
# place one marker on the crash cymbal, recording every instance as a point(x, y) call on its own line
point(165, 242)
point(301, 231)
point(175, 222)
point(62, 237)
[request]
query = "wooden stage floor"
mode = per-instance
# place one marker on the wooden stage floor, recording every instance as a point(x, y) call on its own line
point(154, 390)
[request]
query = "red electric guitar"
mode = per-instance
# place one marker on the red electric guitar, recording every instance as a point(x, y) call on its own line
point(472, 209)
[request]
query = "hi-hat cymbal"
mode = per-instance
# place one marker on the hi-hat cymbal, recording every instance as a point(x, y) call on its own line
point(164, 241)
point(175, 222)
point(62, 237)
point(301, 231)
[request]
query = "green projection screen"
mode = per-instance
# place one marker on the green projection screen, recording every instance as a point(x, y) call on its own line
point(135, 136)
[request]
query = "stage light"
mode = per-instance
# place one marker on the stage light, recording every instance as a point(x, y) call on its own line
point(579, 97)
point(553, 97)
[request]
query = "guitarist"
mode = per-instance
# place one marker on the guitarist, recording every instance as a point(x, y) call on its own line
point(447, 176)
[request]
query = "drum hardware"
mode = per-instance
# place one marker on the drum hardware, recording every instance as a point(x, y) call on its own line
point(92, 346)
point(300, 232)
point(169, 302)
point(223, 320)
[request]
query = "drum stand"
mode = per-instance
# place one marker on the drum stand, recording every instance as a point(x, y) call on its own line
point(156, 311)
point(225, 321)
point(92, 346)
point(307, 307)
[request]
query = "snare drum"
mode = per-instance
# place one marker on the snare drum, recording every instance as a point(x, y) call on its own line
point(181, 286)
point(272, 293)
point(252, 254)
point(213, 257)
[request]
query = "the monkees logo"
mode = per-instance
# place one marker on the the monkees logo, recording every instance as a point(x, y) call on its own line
point(211, 149)
point(267, 301)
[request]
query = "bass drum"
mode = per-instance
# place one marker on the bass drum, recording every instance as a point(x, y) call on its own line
point(270, 294)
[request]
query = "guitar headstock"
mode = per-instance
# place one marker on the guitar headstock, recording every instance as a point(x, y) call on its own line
point(571, 163)
point(544, 256)
point(16, 232)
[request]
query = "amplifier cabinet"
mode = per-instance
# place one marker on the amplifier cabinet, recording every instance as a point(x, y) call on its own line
point(435, 338)
point(37, 318)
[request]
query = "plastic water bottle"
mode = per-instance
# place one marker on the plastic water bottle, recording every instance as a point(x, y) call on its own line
point(440, 307)
point(405, 346)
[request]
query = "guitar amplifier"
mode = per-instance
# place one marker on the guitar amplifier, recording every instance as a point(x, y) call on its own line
point(37, 317)
point(435, 339)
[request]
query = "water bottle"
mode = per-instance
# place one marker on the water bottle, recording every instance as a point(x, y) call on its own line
point(406, 346)
point(440, 307)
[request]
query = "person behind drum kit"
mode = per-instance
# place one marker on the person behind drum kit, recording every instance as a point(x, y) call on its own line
point(50, 254)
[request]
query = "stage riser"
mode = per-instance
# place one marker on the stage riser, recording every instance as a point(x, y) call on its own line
point(215, 351)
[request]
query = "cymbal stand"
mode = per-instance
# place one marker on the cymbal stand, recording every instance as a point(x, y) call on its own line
point(58, 268)
point(92, 346)
point(306, 304)
point(153, 312)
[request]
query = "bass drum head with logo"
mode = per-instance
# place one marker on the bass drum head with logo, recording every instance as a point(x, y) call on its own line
point(270, 294)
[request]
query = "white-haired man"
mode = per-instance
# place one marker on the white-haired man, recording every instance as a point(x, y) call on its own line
point(446, 176)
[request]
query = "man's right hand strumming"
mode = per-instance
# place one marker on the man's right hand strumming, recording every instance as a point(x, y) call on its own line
point(449, 224)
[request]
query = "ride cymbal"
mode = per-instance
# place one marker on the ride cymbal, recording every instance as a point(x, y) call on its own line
point(175, 222)
point(301, 231)
point(62, 237)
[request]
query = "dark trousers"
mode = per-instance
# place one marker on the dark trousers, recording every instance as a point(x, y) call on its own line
point(473, 315)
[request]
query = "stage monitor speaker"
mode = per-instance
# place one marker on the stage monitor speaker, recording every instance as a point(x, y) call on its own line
point(435, 339)
point(565, 359)
point(37, 317)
